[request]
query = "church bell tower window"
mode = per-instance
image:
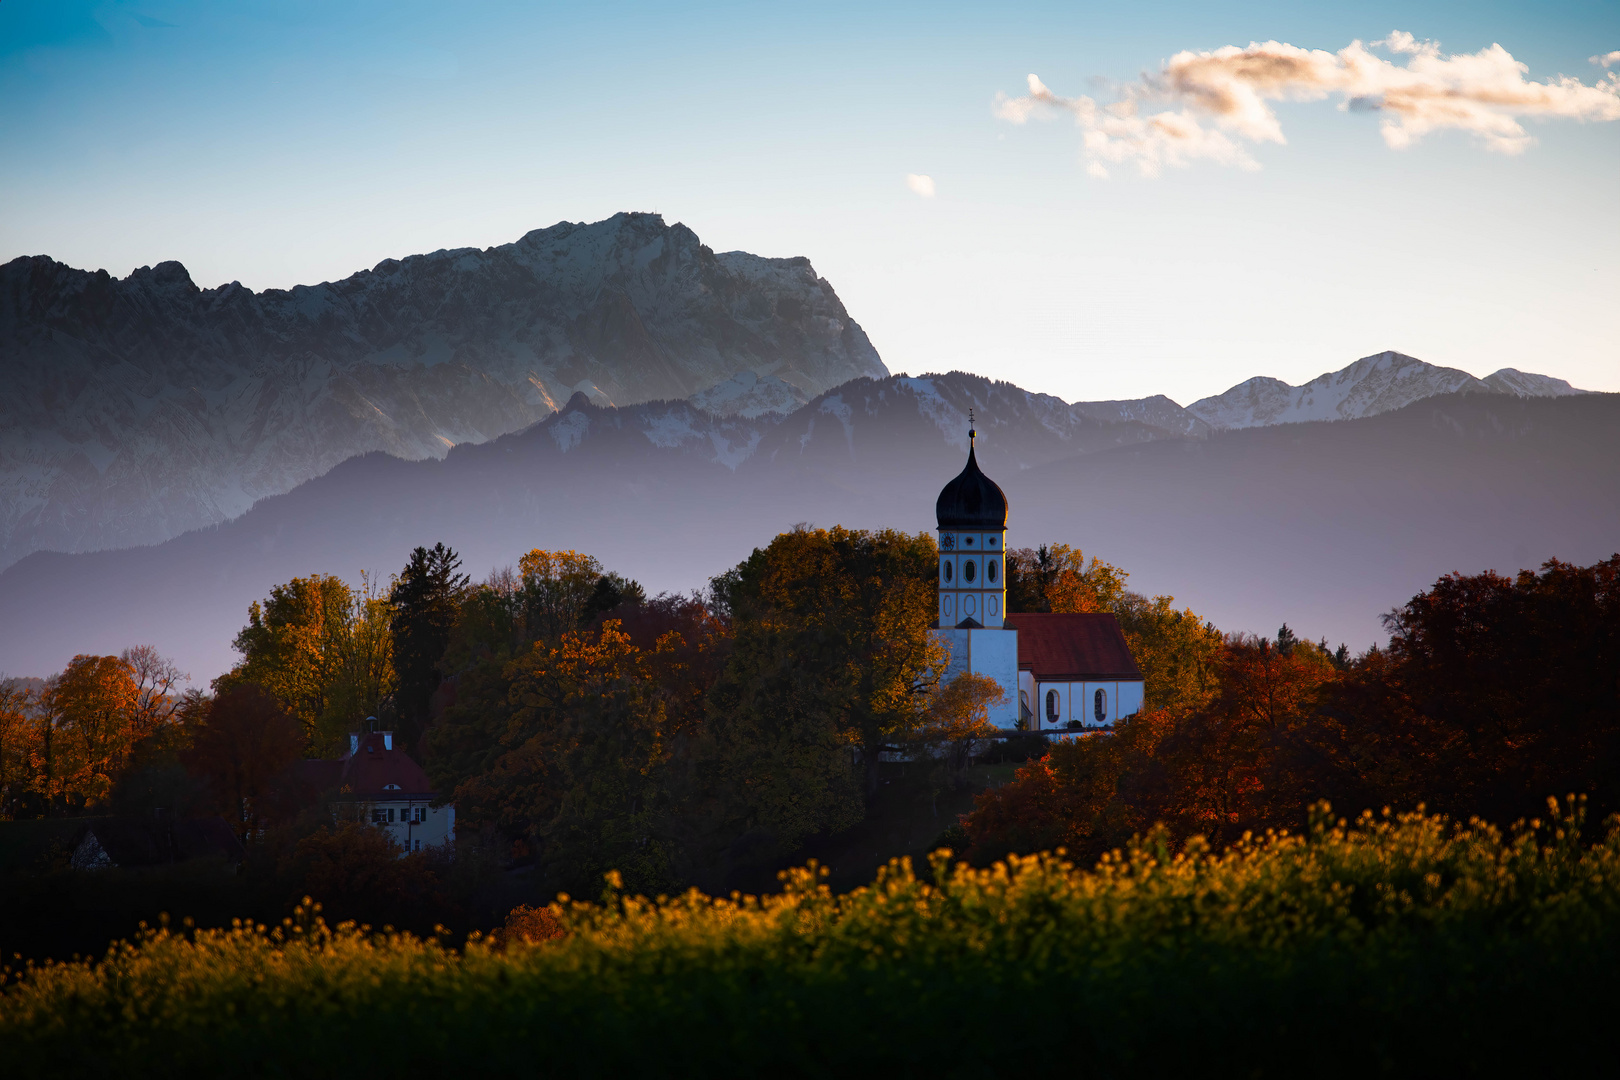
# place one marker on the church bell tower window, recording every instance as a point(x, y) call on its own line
point(967, 571)
point(990, 570)
point(948, 574)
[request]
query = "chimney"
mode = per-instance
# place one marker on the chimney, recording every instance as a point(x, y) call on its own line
point(354, 743)
point(388, 740)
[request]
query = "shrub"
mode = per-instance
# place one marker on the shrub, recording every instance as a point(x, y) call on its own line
point(1405, 944)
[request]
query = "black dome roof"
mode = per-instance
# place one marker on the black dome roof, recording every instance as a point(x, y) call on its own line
point(972, 501)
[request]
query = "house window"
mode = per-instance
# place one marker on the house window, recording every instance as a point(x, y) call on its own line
point(1052, 705)
point(379, 816)
point(1099, 705)
point(967, 571)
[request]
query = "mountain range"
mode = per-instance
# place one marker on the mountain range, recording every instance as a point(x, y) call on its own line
point(1371, 385)
point(1325, 525)
point(137, 409)
point(620, 388)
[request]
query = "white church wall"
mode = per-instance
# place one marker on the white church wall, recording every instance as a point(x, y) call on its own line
point(1130, 699)
point(991, 652)
point(995, 653)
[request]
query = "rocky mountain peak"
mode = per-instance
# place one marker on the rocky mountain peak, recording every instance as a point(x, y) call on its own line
point(143, 407)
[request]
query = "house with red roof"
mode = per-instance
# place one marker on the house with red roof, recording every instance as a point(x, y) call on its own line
point(392, 788)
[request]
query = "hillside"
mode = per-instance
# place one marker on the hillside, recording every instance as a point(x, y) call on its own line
point(1325, 525)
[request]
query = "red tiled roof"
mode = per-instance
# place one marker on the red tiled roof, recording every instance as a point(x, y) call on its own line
point(372, 768)
point(1060, 648)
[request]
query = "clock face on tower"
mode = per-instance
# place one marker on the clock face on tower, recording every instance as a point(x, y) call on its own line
point(948, 541)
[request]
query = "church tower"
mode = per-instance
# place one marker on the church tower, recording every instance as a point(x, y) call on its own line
point(972, 515)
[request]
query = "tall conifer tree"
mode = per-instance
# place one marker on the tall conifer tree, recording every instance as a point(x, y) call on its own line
point(425, 602)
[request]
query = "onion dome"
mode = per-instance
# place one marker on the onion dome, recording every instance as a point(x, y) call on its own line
point(972, 502)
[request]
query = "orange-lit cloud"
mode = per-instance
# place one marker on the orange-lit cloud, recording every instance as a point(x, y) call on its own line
point(1222, 101)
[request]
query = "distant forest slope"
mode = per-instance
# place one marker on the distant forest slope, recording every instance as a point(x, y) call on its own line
point(1324, 525)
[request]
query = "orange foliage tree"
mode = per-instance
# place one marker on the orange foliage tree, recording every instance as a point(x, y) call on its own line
point(1243, 761)
point(90, 714)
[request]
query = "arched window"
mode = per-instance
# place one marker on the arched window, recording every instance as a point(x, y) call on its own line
point(948, 575)
point(1052, 705)
point(968, 571)
point(1099, 705)
point(990, 570)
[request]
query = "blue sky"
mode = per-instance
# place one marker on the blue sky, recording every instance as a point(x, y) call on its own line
point(279, 143)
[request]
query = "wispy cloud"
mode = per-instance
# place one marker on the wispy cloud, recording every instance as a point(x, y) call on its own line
point(1607, 60)
point(1222, 101)
point(921, 184)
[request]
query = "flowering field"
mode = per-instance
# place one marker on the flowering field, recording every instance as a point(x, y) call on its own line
point(1401, 944)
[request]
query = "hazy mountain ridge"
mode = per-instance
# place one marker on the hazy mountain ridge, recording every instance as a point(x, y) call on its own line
point(1374, 384)
point(1323, 524)
point(139, 408)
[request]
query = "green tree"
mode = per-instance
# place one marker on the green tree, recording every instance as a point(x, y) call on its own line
point(323, 650)
point(426, 598)
point(831, 650)
point(577, 778)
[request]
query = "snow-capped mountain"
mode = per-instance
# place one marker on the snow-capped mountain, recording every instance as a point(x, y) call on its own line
point(137, 409)
point(1372, 385)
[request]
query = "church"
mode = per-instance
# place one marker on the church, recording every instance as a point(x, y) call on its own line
point(1058, 672)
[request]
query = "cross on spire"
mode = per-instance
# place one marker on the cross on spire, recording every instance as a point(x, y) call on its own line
point(971, 432)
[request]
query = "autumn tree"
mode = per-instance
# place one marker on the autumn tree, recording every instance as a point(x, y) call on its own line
point(556, 590)
point(425, 600)
point(1178, 652)
point(323, 650)
point(957, 717)
point(1494, 693)
point(831, 652)
point(1057, 578)
point(576, 777)
point(91, 708)
point(1252, 755)
point(19, 735)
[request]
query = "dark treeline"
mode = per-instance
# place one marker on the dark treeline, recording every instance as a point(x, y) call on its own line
point(1494, 694)
point(580, 726)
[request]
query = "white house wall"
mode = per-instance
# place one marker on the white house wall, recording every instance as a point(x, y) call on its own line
point(438, 825)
